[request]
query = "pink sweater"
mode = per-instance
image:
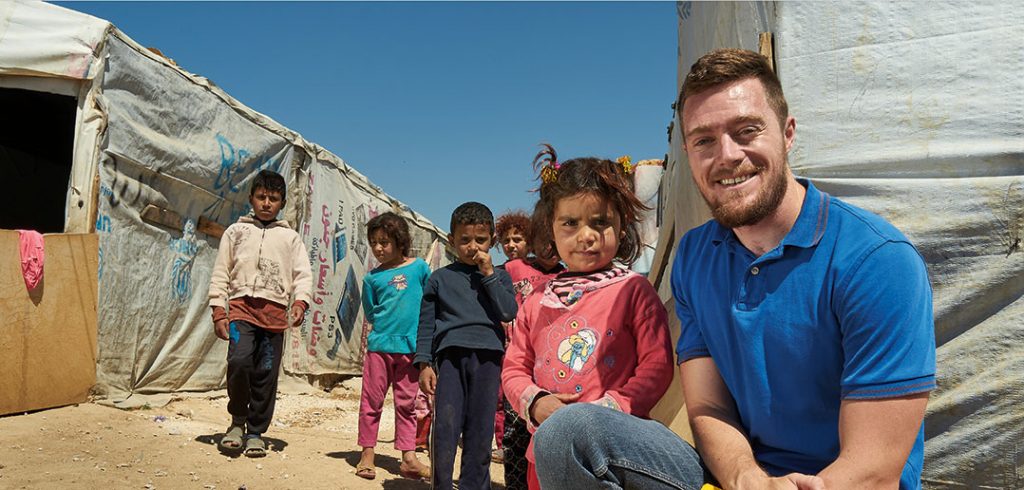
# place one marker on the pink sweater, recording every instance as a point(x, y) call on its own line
point(611, 344)
point(527, 278)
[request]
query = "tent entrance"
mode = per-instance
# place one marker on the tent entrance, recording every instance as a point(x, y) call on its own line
point(37, 135)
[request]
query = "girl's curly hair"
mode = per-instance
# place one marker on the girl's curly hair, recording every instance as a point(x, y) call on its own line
point(517, 220)
point(587, 175)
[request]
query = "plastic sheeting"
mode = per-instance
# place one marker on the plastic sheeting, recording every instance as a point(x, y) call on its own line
point(334, 232)
point(40, 40)
point(152, 134)
point(914, 111)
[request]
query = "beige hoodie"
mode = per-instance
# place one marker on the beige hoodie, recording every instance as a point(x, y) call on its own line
point(261, 262)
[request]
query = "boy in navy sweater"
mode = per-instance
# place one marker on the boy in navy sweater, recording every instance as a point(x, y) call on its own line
point(459, 349)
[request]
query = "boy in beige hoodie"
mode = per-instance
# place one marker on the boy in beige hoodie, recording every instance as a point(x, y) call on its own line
point(261, 267)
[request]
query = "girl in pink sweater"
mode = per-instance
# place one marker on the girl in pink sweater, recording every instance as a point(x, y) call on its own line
point(598, 332)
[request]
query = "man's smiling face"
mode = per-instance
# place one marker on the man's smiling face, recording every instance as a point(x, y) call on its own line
point(737, 151)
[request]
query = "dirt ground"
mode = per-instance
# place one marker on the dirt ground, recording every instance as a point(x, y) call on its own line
point(92, 446)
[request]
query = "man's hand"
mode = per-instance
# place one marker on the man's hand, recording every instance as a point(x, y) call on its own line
point(220, 328)
point(546, 405)
point(758, 479)
point(297, 313)
point(483, 261)
point(805, 482)
point(428, 380)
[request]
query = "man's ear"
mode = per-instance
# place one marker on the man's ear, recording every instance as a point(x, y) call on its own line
point(789, 132)
point(451, 240)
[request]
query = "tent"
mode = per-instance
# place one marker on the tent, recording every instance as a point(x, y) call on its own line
point(105, 136)
point(914, 111)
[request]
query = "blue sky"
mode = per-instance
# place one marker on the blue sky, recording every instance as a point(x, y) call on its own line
point(435, 102)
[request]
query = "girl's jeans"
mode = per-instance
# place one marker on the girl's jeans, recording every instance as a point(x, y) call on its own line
point(585, 446)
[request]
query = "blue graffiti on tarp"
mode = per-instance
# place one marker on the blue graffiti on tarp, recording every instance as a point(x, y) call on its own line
point(185, 250)
point(236, 164)
point(103, 223)
point(99, 268)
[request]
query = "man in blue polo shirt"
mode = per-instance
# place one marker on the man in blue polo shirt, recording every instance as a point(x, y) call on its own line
point(807, 348)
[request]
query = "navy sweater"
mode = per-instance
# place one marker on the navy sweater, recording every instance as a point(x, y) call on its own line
point(462, 308)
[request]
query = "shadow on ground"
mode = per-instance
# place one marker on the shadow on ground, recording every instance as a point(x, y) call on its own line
point(391, 480)
point(275, 445)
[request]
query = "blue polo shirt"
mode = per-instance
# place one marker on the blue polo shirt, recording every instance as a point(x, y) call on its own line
point(840, 309)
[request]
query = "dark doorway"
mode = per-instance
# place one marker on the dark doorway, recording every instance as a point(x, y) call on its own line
point(37, 136)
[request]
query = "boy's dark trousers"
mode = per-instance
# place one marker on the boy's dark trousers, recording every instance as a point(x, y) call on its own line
point(467, 391)
point(254, 359)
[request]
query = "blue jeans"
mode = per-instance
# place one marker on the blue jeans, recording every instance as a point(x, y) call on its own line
point(585, 446)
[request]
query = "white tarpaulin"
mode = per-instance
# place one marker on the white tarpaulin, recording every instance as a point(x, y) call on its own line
point(335, 236)
point(151, 136)
point(914, 111)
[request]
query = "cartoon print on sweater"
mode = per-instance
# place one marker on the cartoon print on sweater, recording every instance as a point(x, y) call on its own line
point(522, 289)
point(575, 350)
point(570, 349)
point(399, 282)
point(270, 275)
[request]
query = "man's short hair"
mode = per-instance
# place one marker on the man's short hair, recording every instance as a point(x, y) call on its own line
point(728, 65)
point(268, 180)
point(472, 213)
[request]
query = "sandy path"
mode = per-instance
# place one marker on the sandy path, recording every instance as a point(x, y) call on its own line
point(91, 446)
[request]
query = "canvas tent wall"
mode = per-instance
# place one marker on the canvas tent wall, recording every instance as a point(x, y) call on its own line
point(914, 111)
point(161, 163)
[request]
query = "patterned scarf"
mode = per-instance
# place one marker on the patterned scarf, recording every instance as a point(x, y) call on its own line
point(570, 286)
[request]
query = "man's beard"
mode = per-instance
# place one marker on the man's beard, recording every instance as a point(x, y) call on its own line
point(766, 202)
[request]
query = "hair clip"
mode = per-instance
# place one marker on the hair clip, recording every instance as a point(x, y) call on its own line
point(626, 163)
point(546, 162)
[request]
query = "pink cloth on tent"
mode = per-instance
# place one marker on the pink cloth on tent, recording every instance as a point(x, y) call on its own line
point(32, 255)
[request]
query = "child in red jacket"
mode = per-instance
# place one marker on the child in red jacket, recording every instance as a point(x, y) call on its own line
point(597, 333)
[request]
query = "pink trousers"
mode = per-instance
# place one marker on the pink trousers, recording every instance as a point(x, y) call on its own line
point(381, 371)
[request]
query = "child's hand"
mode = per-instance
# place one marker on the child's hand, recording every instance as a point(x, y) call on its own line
point(546, 405)
point(220, 327)
point(428, 380)
point(297, 313)
point(508, 332)
point(483, 261)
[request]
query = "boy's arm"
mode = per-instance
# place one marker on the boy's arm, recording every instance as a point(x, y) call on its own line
point(302, 276)
point(499, 288)
point(218, 294)
point(653, 372)
point(425, 333)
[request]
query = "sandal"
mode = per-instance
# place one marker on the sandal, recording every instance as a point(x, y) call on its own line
point(414, 474)
point(366, 472)
point(255, 447)
point(232, 437)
